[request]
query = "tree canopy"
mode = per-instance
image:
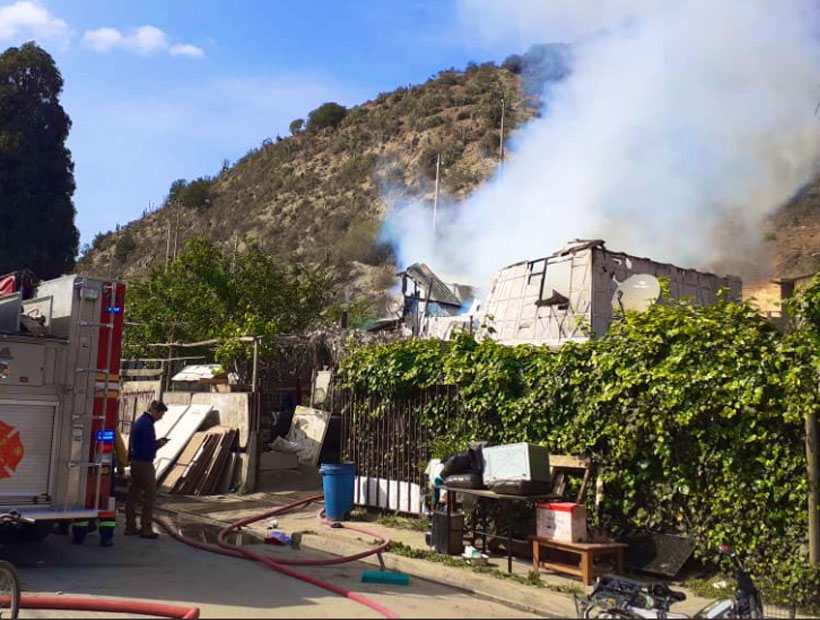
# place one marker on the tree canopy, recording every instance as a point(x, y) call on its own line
point(37, 228)
point(208, 293)
point(326, 115)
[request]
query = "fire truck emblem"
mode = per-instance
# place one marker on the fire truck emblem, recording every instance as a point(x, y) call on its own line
point(11, 450)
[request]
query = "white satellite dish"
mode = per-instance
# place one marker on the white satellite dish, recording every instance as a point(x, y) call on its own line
point(636, 293)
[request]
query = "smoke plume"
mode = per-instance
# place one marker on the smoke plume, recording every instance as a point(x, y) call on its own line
point(682, 125)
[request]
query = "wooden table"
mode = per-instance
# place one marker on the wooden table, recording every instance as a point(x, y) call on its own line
point(506, 504)
point(587, 553)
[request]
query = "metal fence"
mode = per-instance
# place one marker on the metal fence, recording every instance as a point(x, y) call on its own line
point(391, 441)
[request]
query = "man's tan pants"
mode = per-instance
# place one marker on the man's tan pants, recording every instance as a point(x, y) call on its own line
point(143, 482)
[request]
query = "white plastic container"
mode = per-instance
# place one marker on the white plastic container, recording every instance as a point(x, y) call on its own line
point(516, 461)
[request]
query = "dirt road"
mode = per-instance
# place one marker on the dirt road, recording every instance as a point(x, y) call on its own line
point(167, 571)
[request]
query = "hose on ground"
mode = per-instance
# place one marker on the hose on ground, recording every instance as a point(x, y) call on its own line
point(108, 605)
point(281, 565)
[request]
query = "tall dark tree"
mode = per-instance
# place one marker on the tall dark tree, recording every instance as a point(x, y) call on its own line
point(37, 228)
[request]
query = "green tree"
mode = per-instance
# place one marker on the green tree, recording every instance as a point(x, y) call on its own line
point(36, 171)
point(209, 294)
point(193, 195)
point(296, 125)
point(125, 245)
point(326, 115)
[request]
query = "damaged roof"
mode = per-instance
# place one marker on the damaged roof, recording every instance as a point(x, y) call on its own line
point(437, 290)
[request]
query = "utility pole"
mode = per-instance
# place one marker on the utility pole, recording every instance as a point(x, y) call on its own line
point(812, 470)
point(235, 248)
point(176, 233)
point(501, 139)
point(167, 246)
point(435, 196)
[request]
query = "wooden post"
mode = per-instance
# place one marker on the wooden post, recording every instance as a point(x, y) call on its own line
point(168, 369)
point(255, 364)
point(811, 460)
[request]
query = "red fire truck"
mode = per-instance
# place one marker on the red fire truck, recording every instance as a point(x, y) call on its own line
point(60, 348)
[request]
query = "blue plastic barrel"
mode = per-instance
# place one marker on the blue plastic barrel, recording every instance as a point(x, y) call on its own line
point(338, 480)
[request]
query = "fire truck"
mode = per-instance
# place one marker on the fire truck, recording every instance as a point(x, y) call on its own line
point(60, 348)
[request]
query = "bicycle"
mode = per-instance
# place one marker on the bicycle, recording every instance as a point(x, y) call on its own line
point(10, 589)
point(620, 597)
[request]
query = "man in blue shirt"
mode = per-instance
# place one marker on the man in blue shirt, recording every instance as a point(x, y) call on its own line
point(142, 451)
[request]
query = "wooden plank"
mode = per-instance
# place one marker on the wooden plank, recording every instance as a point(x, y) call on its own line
point(220, 455)
point(178, 470)
point(227, 475)
point(200, 462)
point(224, 457)
point(569, 462)
point(141, 372)
point(217, 438)
point(180, 433)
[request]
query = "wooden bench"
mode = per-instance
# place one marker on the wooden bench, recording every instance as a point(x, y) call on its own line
point(587, 553)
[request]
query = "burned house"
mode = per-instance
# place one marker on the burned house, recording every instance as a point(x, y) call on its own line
point(548, 300)
point(430, 307)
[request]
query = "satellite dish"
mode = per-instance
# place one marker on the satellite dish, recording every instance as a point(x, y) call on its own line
point(636, 293)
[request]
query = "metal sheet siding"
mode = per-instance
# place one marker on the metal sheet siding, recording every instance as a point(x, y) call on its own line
point(35, 425)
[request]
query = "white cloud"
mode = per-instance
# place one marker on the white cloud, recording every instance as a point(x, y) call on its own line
point(102, 39)
point(187, 50)
point(142, 40)
point(27, 18)
point(147, 40)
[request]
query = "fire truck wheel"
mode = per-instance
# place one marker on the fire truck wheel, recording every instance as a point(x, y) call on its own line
point(34, 532)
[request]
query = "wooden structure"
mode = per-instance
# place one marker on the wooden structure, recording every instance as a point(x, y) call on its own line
point(586, 552)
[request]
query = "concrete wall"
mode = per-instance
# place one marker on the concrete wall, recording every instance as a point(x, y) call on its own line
point(232, 409)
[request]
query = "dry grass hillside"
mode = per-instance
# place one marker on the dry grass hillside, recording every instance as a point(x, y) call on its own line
point(318, 195)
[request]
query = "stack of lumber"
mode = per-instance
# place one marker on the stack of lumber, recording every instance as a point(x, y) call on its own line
point(206, 465)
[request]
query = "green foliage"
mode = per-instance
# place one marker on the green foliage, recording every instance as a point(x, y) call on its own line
point(36, 171)
point(125, 245)
point(693, 415)
point(193, 195)
point(296, 126)
point(210, 294)
point(326, 115)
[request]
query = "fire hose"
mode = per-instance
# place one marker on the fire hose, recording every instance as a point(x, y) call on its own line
point(281, 565)
point(108, 605)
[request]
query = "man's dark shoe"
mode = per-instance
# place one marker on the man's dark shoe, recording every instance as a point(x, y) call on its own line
point(128, 532)
point(149, 535)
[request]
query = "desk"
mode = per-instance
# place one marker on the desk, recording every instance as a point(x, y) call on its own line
point(506, 504)
point(586, 551)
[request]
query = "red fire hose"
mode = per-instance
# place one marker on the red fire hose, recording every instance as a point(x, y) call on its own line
point(280, 565)
point(108, 605)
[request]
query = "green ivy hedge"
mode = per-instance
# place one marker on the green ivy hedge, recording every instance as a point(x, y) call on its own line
point(695, 416)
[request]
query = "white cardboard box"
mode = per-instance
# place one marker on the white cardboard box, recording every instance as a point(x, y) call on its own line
point(564, 521)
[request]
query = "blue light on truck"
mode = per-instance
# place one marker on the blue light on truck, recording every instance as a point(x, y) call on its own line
point(105, 435)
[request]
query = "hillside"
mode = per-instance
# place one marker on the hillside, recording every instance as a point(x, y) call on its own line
point(318, 195)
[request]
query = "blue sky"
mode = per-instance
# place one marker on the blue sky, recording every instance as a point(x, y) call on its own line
point(165, 89)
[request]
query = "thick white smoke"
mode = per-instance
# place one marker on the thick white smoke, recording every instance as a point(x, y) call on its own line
point(682, 125)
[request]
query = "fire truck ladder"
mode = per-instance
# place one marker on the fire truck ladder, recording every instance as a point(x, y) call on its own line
point(97, 464)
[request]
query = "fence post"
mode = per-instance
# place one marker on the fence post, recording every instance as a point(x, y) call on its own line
point(811, 461)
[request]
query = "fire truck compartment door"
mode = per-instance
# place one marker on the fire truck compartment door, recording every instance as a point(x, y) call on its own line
point(26, 444)
point(21, 364)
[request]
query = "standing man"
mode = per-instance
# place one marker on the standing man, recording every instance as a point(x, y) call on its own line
point(142, 451)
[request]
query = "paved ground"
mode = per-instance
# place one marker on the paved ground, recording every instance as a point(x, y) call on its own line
point(170, 572)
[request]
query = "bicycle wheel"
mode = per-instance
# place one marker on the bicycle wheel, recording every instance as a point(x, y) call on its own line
point(9, 590)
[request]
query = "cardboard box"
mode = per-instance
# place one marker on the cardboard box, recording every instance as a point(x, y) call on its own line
point(277, 460)
point(564, 521)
